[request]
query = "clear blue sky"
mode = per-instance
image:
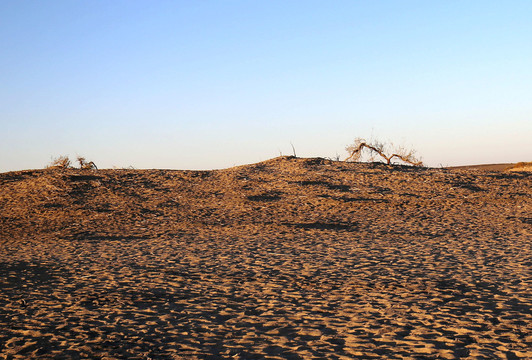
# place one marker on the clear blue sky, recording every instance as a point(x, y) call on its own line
point(212, 84)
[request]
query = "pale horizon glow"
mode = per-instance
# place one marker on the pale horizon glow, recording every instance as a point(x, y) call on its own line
point(210, 85)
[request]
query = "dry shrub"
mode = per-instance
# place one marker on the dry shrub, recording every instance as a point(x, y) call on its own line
point(362, 150)
point(86, 165)
point(60, 162)
point(63, 162)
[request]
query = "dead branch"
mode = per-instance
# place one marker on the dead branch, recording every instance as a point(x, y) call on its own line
point(86, 165)
point(356, 151)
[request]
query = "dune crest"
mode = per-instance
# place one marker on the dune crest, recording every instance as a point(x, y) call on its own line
point(285, 259)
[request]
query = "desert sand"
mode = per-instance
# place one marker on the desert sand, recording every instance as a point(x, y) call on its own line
point(285, 259)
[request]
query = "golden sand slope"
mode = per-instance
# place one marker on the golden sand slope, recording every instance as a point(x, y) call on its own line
point(522, 166)
point(285, 259)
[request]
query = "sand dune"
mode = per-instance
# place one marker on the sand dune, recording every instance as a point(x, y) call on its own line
point(285, 259)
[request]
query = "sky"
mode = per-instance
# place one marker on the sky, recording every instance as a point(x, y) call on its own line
point(214, 84)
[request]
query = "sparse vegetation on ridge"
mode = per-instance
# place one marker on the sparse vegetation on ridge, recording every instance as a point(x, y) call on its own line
point(63, 162)
point(60, 162)
point(370, 149)
point(86, 165)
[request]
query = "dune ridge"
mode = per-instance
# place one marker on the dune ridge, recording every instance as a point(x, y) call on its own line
point(285, 259)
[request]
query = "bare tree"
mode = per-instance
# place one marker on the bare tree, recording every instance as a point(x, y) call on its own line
point(376, 148)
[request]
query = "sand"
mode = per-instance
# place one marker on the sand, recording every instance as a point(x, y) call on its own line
point(285, 259)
